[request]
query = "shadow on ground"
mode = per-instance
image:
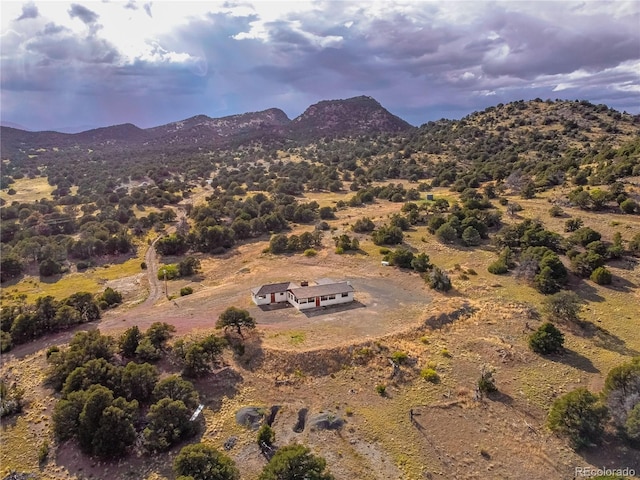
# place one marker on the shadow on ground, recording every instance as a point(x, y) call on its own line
point(316, 312)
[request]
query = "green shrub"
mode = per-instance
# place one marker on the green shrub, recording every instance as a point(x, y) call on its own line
point(430, 375)
point(266, 436)
point(601, 276)
point(486, 382)
point(171, 271)
point(384, 251)
point(498, 267)
point(399, 357)
point(580, 416)
point(186, 291)
point(310, 252)
point(555, 211)
point(546, 339)
point(143, 266)
point(339, 250)
point(438, 279)
point(381, 388)
point(43, 453)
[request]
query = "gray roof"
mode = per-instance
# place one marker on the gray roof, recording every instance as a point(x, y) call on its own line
point(271, 288)
point(321, 290)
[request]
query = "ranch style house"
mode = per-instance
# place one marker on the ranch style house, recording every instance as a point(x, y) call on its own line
point(324, 293)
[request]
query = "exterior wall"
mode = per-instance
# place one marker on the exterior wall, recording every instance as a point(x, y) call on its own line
point(323, 303)
point(301, 304)
point(338, 300)
point(280, 297)
point(265, 300)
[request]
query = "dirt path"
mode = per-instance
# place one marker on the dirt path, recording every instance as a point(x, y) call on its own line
point(155, 286)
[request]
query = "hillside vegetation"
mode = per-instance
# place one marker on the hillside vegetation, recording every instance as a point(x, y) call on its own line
point(507, 304)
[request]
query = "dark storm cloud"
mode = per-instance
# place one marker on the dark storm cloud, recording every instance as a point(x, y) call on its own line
point(29, 10)
point(421, 60)
point(83, 13)
point(537, 47)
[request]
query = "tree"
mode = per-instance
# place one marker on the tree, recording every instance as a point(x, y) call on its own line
point(546, 339)
point(471, 237)
point(168, 423)
point(446, 233)
point(115, 433)
point(159, 333)
point(580, 416)
point(129, 341)
point(49, 267)
point(420, 262)
point(622, 392)
point(266, 437)
point(486, 382)
point(438, 279)
point(295, 462)
point(601, 276)
point(388, 235)
point(98, 398)
point(402, 257)
point(189, 266)
point(176, 388)
point(573, 224)
point(10, 267)
point(278, 243)
point(138, 381)
point(236, 318)
point(563, 306)
point(111, 296)
point(632, 425)
point(203, 462)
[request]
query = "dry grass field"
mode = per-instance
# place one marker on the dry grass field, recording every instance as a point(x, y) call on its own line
point(334, 361)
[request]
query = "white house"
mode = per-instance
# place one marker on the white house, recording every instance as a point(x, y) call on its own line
point(325, 293)
point(271, 293)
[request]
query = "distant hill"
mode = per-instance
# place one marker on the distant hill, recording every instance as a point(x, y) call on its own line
point(354, 116)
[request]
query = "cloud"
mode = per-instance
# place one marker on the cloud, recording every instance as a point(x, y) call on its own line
point(29, 10)
point(421, 60)
point(83, 13)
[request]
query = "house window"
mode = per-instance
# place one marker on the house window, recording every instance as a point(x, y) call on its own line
point(332, 297)
point(311, 300)
point(345, 295)
point(303, 300)
point(261, 297)
point(323, 298)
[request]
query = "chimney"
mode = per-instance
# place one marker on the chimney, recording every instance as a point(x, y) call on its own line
point(304, 283)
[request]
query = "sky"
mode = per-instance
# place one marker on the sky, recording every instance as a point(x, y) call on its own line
point(86, 64)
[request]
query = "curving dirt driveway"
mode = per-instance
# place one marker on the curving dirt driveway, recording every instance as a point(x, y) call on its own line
point(155, 286)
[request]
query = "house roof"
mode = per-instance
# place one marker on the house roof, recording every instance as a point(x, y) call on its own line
point(320, 290)
point(271, 288)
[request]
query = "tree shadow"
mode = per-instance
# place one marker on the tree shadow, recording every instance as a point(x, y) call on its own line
point(587, 291)
point(602, 338)
point(251, 355)
point(501, 397)
point(575, 360)
point(218, 385)
point(614, 452)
